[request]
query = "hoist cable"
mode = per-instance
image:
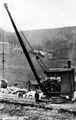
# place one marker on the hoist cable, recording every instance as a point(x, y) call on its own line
point(37, 57)
point(33, 51)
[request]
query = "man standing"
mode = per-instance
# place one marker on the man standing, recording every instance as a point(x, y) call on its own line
point(37, 97)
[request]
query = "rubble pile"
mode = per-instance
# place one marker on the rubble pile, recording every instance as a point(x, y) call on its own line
point(20, 92)
point(12, 90)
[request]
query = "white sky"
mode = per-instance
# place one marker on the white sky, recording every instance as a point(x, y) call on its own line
point(38, 14)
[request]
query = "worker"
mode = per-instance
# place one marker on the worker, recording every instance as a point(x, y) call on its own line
point(37, 97)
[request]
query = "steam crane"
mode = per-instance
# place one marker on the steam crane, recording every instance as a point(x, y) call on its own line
point(24, 49)
point(61, 80)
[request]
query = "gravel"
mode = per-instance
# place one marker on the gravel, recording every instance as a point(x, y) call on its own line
point(19, 112)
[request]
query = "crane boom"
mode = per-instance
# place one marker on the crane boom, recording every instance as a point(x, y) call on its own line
point(23, 47)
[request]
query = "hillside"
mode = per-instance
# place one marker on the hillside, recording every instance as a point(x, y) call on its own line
point(59, 42)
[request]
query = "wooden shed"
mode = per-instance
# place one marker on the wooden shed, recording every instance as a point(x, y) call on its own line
point(66, 78)
point(32, 85)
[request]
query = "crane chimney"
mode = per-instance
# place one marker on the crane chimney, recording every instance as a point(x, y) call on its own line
point(69, 64)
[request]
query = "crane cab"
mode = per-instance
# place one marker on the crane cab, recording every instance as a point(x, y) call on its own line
point(61, 81)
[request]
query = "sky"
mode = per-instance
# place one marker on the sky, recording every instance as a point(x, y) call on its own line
point(38, 14)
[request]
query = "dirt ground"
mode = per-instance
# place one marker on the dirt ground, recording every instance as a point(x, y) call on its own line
point(40, 111)
point(18, 108)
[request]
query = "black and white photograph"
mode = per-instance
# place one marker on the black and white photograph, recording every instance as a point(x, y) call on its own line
point(37, 59)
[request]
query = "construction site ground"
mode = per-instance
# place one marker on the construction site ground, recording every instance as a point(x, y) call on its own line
point(16, 108)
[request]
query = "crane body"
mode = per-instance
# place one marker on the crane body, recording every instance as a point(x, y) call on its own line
point(59, 79)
